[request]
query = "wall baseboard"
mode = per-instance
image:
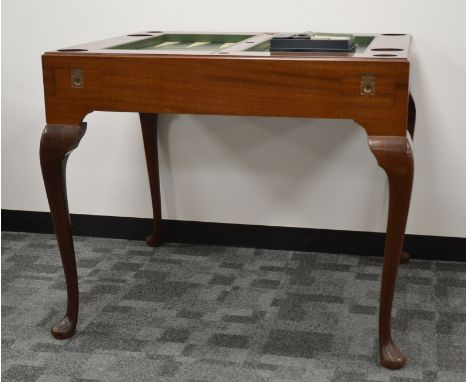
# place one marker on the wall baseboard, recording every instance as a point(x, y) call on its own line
point(241, 235)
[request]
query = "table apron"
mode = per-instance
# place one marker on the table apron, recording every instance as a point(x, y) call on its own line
point(216, 86)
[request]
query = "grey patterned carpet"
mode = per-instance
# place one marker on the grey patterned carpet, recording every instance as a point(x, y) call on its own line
point(205, 313)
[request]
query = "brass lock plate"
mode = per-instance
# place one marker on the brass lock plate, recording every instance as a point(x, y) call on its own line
point(77, 78)
point(367, 85)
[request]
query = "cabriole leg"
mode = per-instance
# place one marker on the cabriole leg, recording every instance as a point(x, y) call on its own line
point(406, 256)
point(395, 157)
point(149, 129)
point(57, 142)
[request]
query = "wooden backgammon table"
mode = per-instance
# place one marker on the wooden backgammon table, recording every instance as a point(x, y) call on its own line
point(241, 74)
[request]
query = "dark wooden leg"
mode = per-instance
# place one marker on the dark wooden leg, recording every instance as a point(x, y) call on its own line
point(411, 116)
point(406, 256)
point(394, 156)
point(57, 142)
point(149, 129)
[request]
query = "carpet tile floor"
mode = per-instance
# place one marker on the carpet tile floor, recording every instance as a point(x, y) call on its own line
point(215, 314)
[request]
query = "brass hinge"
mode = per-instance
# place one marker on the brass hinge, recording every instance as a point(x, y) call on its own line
point(77, 78)
point(367, 85)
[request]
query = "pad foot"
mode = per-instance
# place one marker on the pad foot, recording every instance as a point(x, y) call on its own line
point(154, 240)
point(64, 329)
point(404, 257)
point(391, 357)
